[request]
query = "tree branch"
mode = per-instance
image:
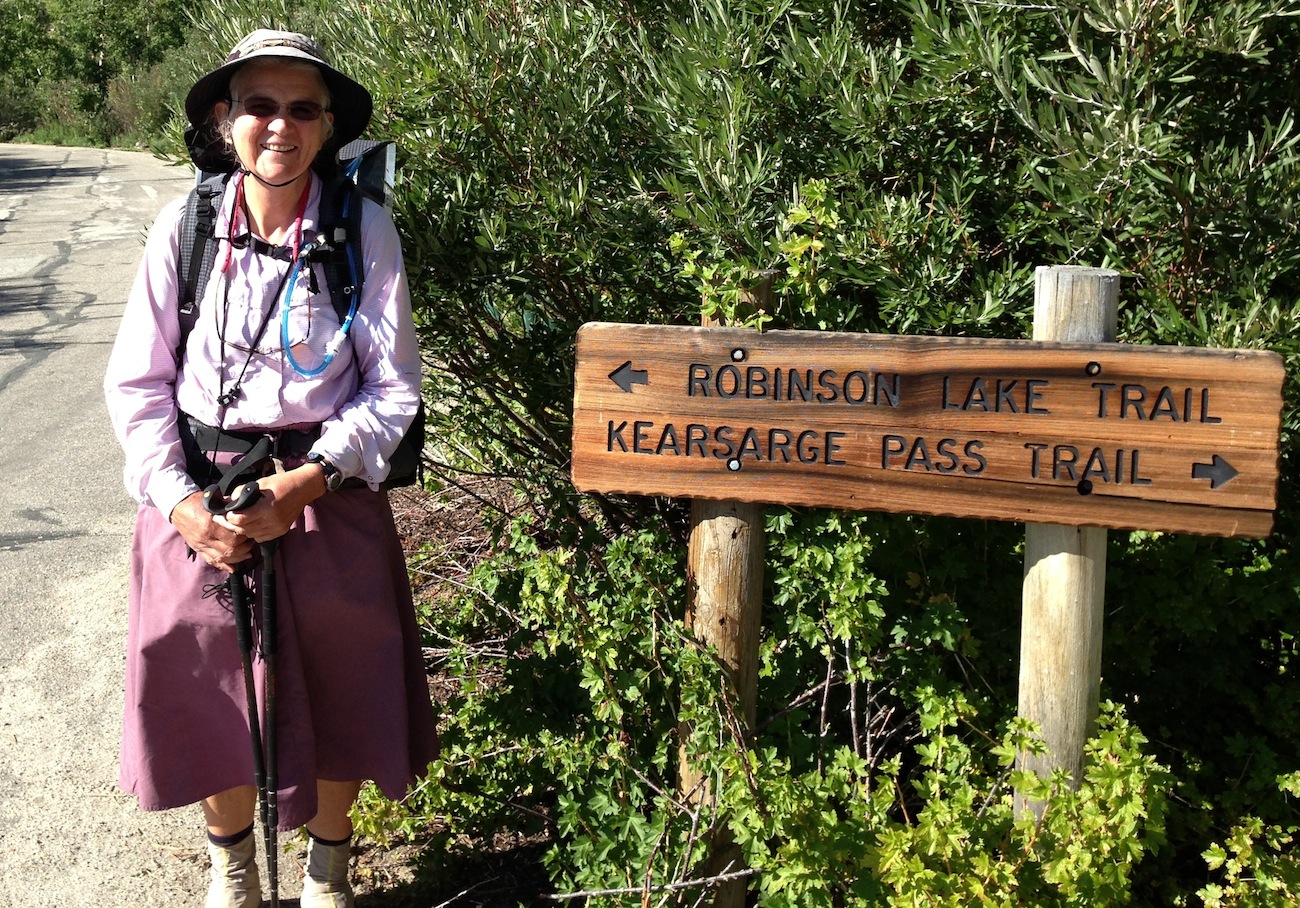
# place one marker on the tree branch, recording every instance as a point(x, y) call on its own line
point(669, 887)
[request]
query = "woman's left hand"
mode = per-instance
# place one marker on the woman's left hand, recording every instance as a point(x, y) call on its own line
point(284, 496)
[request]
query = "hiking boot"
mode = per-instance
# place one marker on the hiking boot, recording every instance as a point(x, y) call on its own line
point(236, 882)
point(326, 884)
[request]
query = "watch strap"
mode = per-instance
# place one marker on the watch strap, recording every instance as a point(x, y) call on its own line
point(333, 478)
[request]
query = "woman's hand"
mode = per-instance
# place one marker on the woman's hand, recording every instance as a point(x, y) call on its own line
point(217, 545)
point(284, 496)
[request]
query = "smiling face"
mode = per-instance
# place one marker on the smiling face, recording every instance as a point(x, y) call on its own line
point(269, 127)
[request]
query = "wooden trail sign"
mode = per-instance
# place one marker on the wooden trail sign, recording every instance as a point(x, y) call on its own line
point(1109, 435)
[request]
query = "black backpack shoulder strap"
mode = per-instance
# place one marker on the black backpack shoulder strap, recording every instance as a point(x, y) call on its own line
point(198, 249)
point(338, 251)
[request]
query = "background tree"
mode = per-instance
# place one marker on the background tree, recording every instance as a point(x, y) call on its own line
point(24, 27)
point(73, 67)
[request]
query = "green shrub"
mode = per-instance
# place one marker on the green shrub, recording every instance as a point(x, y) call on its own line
point(1258, 864)
point(66, 114)
point(140, 104)
point(18, 108)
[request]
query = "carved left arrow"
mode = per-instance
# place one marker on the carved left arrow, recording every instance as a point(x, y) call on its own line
point(1219, 472)
point(625, 376)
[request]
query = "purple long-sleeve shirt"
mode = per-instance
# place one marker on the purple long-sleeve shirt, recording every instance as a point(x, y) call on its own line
point(364, 399)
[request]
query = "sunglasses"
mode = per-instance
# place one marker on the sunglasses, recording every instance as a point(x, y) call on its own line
point(269, 108)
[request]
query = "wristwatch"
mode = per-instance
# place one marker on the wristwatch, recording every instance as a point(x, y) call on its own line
point(333, 478)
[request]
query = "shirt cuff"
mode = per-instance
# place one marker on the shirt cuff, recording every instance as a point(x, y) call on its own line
point(168, 489)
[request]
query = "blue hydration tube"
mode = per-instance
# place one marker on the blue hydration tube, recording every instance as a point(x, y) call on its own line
point(336, 342)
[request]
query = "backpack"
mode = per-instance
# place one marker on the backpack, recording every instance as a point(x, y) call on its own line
point(367, 172)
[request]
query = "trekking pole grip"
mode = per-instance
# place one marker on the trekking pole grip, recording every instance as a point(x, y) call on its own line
point(215, 502)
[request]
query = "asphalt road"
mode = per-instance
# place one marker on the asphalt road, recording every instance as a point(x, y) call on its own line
point(72, 225)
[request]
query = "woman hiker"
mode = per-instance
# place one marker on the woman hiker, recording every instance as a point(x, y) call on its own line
point(263, 359)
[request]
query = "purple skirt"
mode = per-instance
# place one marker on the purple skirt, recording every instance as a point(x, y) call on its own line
point(351, 693)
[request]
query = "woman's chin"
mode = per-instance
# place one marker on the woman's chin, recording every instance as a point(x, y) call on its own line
point(278, 171)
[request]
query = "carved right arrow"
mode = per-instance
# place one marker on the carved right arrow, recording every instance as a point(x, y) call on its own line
point(1219, 472)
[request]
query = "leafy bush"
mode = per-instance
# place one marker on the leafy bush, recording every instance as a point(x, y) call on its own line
point(17, 108)
point(899, 169)
point(1258, 868)
point(140, 103)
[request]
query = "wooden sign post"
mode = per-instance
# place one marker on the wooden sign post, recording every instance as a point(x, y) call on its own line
point(1063, 602)
point(724, 609)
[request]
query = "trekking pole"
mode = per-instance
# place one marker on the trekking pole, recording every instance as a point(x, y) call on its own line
point(270, 646)
point(244, 632)
point(265, 766)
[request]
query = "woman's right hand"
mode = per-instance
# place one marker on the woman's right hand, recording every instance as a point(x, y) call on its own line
point(216, 545)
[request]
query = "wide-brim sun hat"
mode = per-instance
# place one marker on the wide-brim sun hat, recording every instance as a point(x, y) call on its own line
point(350, 102)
